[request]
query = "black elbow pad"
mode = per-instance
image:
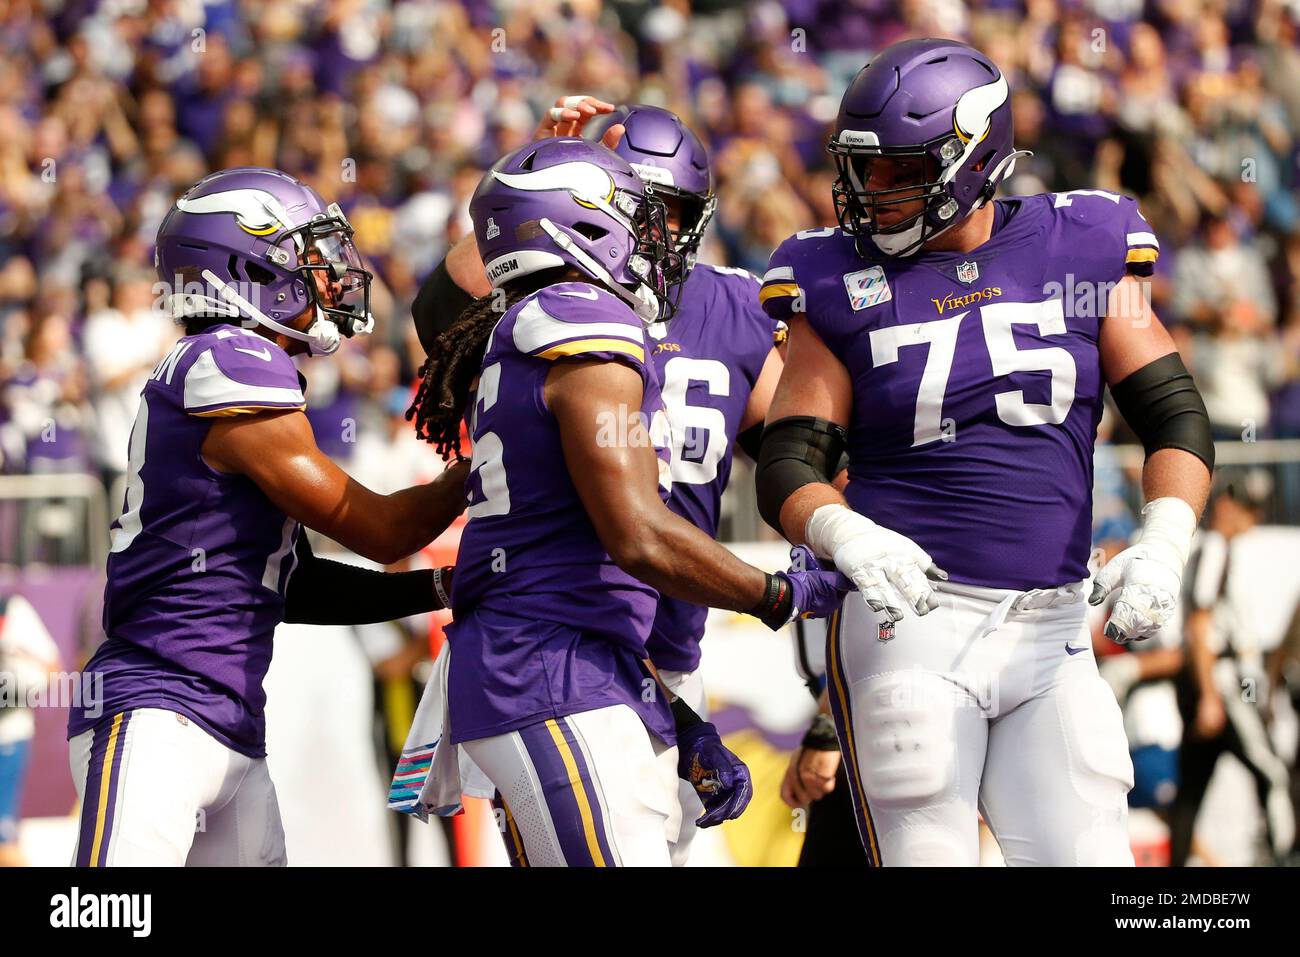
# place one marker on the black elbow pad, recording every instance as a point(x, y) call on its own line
point(1161, 404)
point(796, 451)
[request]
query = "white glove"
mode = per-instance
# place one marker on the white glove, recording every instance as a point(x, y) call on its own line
point(889, 569)
point(1149, 574)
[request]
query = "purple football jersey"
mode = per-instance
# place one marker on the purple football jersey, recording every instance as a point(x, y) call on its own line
point(199, 559)
point(708, 359)
point(546, 623)
point(976, 379)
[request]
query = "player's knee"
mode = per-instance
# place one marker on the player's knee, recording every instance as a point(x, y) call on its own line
point(1100, 771)
point(1100, 766)
point(905, 747)
point(927, 845)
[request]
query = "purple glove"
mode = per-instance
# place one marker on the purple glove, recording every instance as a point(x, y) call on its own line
point(817, 593)
point(718, 776)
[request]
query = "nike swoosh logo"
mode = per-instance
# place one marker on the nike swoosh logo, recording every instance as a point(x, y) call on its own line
point(1073, 651)
point(264, 354)
point(590, 294)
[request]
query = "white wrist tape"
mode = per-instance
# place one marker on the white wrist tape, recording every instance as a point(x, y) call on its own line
point(1169, 524)
point(830, 526)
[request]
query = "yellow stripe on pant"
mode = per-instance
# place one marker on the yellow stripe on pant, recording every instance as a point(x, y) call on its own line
point(105, 778)
point(579, 793)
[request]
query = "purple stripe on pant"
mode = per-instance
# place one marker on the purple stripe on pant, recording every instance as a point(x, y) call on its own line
point(101, 763)
point(561, 794)
point(837, 688)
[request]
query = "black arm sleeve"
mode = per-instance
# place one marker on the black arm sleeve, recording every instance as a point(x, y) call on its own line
point(1162, 406)
point(437, 305)
point(324, 592)
point(797, 451)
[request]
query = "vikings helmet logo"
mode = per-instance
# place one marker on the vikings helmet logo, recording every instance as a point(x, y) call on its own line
point(587, 182)
point(257, 212)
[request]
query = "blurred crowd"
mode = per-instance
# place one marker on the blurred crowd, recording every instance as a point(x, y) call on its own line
point(110, 108)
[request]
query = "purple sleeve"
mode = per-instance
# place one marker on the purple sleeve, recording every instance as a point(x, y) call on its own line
point(578, 320)
point(1141, 248)
point(237, 374)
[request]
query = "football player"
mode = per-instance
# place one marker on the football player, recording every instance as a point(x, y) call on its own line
point(959, 346)
point(560, 569)
point(209, 554)
point(717, 365)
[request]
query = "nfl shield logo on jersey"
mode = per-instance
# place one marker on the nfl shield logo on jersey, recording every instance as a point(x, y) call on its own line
point(867, 287)
point(968, 272)
point(886, 631)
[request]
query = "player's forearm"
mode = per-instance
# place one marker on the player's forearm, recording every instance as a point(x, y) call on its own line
point(413, 517)
point(677, 559)
point(799, 507)
point(324, 592)
point(465, 267)
point(1198, 646)
point(1162, 663)
point(388, 528)
point(1173, 473)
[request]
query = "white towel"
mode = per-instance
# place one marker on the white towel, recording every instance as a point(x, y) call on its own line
point(432, 775)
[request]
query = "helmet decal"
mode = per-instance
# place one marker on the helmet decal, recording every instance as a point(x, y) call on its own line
point(257, 212)
point(655, 175)
point(975, 108)
point(588, 182)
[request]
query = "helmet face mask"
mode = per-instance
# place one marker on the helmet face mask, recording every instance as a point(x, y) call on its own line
point(337, 282)
point(657, 246)
point(887, 193)
point(693, 213)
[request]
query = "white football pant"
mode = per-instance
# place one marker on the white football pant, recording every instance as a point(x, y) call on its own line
point(592, 789)
point(989, 704)
point(157, 790)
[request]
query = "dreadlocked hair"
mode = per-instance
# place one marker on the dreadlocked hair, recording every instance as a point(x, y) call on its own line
point(455, 359)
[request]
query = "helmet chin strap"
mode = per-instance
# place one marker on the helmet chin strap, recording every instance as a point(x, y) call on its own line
point(322, 336)
point(643, 301)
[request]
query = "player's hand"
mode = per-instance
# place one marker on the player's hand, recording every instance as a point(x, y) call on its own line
point(570, 115)
point(1149, 584)
point(891, 570)
point(1149, 575)
point(809, 776)
point(817, 592)
point(719, 777)
point(1210, 716)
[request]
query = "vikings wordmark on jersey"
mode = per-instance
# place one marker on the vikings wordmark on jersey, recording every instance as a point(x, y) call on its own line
point(708, 359)
point(546, 623)
point(976, 380)
point(199, 559)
